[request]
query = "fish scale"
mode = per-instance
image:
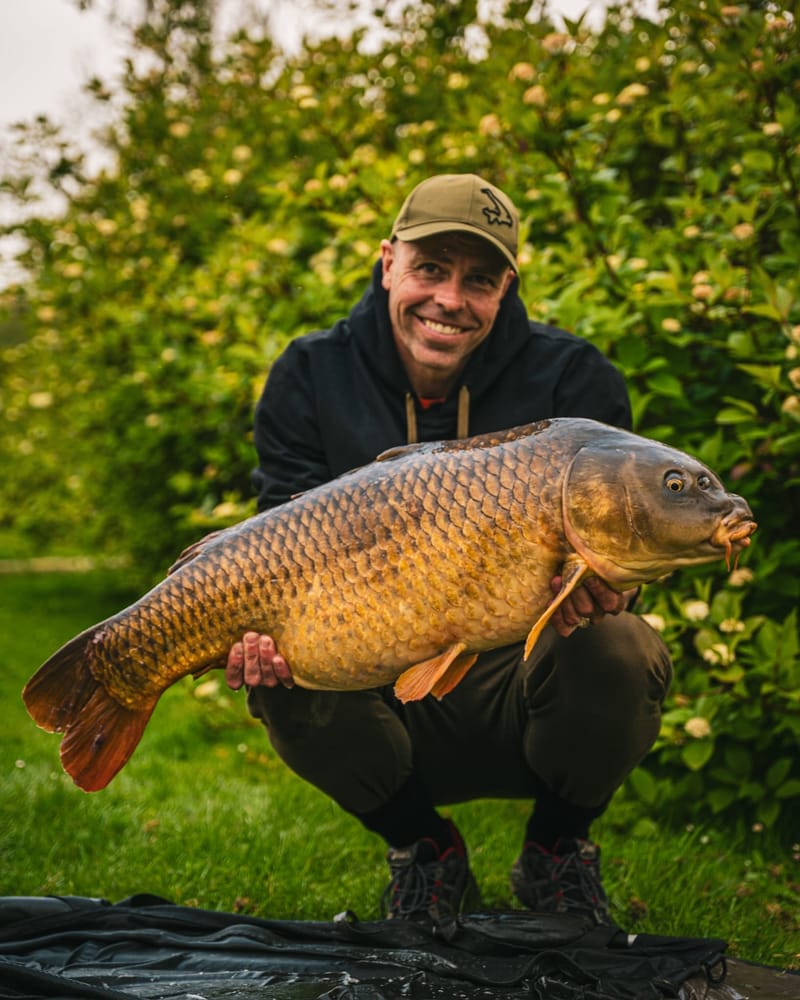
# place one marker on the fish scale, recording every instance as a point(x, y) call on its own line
point(401, 571)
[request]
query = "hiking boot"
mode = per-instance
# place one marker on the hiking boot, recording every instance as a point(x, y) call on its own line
point(564, 880)
point(428, 887)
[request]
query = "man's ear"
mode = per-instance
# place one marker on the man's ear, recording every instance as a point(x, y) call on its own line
point(510, 275)
point(387, 259)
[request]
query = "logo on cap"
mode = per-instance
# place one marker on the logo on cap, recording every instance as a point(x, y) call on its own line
point(496, 212)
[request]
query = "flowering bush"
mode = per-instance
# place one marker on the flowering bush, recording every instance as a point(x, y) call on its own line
point(654, 163)
point(731, 727)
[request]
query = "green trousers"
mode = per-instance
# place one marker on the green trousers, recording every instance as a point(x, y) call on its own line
point(579, 714)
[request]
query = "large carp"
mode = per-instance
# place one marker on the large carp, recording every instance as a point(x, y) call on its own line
point(404, 569)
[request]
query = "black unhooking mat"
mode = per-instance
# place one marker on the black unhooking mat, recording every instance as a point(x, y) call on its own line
point(146, 947)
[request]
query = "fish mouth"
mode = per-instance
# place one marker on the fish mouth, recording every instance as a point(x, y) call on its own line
point(733, 534)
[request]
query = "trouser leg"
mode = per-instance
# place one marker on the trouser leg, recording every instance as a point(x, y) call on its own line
point(593, 706)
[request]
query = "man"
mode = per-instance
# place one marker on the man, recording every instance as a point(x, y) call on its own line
point(440, 346)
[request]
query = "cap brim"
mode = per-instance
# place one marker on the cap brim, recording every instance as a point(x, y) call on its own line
point(409, 234)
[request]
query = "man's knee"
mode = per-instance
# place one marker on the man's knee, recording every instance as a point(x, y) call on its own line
point(621, 658)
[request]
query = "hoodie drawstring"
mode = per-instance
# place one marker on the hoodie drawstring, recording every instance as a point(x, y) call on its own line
point(411, 420)
point(462, 420)
point(462, 426)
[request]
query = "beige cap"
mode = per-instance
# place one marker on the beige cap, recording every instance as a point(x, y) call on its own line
point(465, 203)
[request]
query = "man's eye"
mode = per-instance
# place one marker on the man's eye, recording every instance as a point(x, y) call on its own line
point(484, 282)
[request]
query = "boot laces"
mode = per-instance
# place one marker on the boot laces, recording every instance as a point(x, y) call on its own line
point(577, 880)
point(419, 886)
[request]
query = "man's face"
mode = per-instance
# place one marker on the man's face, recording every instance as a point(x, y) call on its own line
point(444, 294)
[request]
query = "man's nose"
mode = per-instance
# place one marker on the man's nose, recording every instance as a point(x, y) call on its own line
point(450, 293)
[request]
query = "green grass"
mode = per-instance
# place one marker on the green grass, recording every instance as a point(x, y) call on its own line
point(204, 814)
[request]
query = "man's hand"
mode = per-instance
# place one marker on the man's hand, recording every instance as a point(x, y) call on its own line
point(255, 660)
point(586, 605)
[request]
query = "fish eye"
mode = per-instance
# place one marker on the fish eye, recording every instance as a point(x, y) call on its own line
point(674, 481)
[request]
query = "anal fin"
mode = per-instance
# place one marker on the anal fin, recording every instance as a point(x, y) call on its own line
point(437, 675)
point(454, 674)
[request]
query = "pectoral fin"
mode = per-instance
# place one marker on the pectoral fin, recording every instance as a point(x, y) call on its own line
point(436, 676)
point(575, 570)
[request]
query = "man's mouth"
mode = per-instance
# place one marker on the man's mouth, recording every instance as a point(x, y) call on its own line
point(446, 329)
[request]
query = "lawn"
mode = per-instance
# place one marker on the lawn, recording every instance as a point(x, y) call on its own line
point(205, 814)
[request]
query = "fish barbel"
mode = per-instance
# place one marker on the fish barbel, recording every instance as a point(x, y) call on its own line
point(403, 570)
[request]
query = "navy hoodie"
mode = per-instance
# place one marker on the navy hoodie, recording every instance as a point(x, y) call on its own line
point(337, 398)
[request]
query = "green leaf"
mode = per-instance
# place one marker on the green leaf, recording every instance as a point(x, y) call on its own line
point(766, 309)
point(729, 675)
point(766, 375)
point(789, 789)
point(739, 761)
point(644, 827)
point(757, 159)
point(665, 384)
point(644, 785)
point(768, 812)
point(752, 790)
point(720, 798)
point(777, 772)
point(697, 754)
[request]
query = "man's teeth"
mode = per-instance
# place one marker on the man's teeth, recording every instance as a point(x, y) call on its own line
point(442, 327)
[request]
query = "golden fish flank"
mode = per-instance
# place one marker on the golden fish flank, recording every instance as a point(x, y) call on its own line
point(406, 568)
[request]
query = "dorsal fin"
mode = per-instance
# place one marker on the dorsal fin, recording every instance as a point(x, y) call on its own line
point(401, 450)
point(195, 549)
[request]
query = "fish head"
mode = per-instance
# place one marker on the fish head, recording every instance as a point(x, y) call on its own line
point(635, 510)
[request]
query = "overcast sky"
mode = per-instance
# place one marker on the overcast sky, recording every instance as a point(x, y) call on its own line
point(47, 48)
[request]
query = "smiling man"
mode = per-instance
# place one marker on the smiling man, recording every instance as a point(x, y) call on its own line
point(440, 346)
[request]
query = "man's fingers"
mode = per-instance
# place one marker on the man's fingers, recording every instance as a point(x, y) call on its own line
point(283, 674)
point(607, 600)
point(233, 668)
point(255, 661)
point(579, 605)
point(252, 659)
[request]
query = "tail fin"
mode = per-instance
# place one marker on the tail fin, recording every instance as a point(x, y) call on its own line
point(100, 734)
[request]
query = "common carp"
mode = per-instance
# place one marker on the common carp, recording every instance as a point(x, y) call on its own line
point(403, 570)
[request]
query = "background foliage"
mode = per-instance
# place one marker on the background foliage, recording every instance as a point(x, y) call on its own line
point(655, 166)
